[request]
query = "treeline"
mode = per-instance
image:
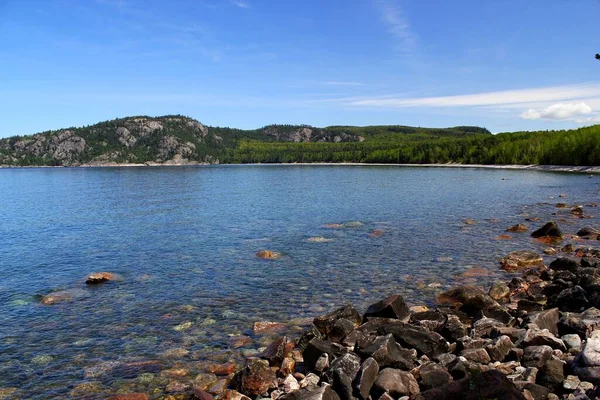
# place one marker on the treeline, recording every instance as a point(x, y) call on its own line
point(568, 147)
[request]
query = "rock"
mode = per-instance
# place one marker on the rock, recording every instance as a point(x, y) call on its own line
point(580, 323)
point(222, 369)
point(577, 210)
point(388, 353)
point(572, 341)
point(325, 323)
point(486, 385)
point(547, 319)
point(536, 356)
point(571, 383)
point(257, 378)
point(308, 334)
point(432, 320)
point(549, 230)
point(99, 277)
point(260, 327)
point(134, 396)
point(268, 255)
point(229, 394)
point(316, 348)
point(204, 381)
point(433, 376)
point(537, 392)
point(176, 387)
point(542, 337)
point(340, 329)
point(348, 364)
point(390, 307)
point(520, 260)
point(454, 329)
point(396, 383)
point(310, 381)
point(342, 384)
point(324, 392)
point(573, 299)
point(290, 384)
point(550, 251)
point(479, 356)
point(277, 351)
point(288, 366)
point(365, 378)
point(62, 296)
point(499, 291)
point(518, 228)
point(475, 303)
point(219, 387)
point(588, 232)
point(485, 326)
point(500, 349)
point(587, 364)
point(564, 264)
point(429, 343)
point(552, 374)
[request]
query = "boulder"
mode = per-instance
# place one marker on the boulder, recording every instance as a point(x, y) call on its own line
point(396, 383)
point(424, 341)
point(564, 264)
point(99, 277)
point(552, 374)
point(500, 349)
point(386, 351)
point(366, 378)
point(325, 323)
point(587, 231)
point(547, 319)
point(573, 299)
point(432, 320)
point(518, 228)
point(536, 356)
point(587, 364)
point(348, 365)
point(479, 356)
point(583, 323)
point(520, 260)
point(541, 337)
point(277, 351)
point(499, 291)
point(485, 385)
point(324, 392)
point(340, 329)
point(390, 307)
point(549, 230)
point(260, 327)
point(268, 255)
point(257, 378)
point(433, 375)
point(316, 348)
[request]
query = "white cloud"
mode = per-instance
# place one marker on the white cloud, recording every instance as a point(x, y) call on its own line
point(398, 25)
point(588, 120)
point(511, 98)
point(240, 4)
point(558, 111)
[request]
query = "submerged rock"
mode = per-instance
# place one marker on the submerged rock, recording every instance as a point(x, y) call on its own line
point(268, 255)
point(520, 260)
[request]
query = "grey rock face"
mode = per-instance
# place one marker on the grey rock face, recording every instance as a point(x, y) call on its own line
point(397, 383)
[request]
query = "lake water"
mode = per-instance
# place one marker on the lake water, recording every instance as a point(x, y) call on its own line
point(184, 242)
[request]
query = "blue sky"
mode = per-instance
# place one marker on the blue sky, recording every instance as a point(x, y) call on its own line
point(506, 65)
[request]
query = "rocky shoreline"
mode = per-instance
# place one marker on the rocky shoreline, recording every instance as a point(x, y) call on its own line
point(534, 337)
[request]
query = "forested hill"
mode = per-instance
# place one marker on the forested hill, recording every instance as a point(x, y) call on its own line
point(176, 139)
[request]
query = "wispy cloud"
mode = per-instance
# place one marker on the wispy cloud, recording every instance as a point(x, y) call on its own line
point(397, 24)
point(240, 4)
point(555, 102)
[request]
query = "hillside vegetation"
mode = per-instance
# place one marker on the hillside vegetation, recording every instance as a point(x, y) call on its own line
point(176, 139)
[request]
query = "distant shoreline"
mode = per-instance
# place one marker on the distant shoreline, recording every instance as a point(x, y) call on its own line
point(545, 168)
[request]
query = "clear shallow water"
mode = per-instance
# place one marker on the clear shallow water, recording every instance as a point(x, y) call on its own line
point(184, 241)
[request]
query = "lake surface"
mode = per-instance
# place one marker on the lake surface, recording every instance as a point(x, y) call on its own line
point(184, 240)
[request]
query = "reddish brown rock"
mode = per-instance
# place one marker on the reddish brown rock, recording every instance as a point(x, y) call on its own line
point(257, 378)
point(268, 255)
point(130, 396)
point(520, 260)
point(99, 277)
point(222, 369)
point(267, 326)
point(518, 228)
